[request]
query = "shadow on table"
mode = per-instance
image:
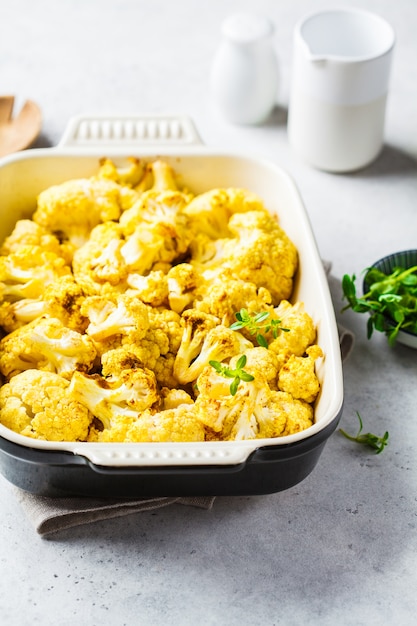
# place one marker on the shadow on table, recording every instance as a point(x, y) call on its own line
point(391, 162)
point(43, 141)
point(278, 117)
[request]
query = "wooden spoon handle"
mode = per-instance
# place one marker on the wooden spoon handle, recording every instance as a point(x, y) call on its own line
point(6, 108)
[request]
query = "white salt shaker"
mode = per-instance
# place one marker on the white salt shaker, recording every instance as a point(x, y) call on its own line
point(244, 74)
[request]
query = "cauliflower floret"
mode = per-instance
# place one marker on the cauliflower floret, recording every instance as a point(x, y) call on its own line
point(63, 299)
point(155, 228)
point(99, 266)
point(156, 206)
point(223, 298)
point(123, 396)
point(163, 176)
point(151, 289)
point(26, 273)
point(297, 376)
point(129, 175)
point(172, 398)
point(196, 326)
point(255, 411)
point(165, 325)
point(218, 409)
point(14, 315)
point(257, 251)
point(72, 209)
point(301, 333)
point(27, 233)
point(260, 360)
point(279, 414)
point(124, 316)
point(154, 246)
point(38, 404)
point(177, 424)
point(219, 344)
point(146, 353)
point(164, 371)
point(264, 254)
point(209, 213)
point(46, 344)
point(183, 280)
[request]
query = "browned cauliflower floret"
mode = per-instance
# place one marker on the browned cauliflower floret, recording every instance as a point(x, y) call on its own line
point(63, 300)
point(196, 326)
point(72, 209)
point(46, 344)
point(279, 414)
point(38, 404)
point(130, 356)
point(154, 246)
point(155, 228)
point(219, 344)
point(254, 411)
point(219, 409)
point(151, 289)
point(297, 376)
point(28, 233)
point(14, 315)
point(123, 316)
point(183, 280)
point(122, 397)
point(223, 298)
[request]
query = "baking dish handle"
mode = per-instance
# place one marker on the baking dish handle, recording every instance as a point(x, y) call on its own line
point(144, 130)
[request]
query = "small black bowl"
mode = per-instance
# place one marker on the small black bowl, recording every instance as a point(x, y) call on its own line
point(405, 259)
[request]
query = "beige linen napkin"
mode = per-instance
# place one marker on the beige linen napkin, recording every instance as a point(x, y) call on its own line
point(50, 515)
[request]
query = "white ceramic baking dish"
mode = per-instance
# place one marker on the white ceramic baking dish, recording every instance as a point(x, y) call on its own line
point(174, 138)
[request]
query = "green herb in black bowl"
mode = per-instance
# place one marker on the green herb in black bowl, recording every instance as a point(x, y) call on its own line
point(389, 297)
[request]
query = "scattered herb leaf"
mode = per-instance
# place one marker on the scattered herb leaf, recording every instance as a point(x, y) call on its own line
point(391, 300)
point(368, 439)
point(256, 323)
point(238, 373)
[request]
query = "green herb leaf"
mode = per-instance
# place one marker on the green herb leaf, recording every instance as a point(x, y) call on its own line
point(256, 323)
point(367, 439)
point(238, 373)
point(234, 385)
point(391, 300)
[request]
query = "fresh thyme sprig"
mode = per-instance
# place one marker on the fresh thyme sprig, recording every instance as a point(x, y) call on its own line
point(391, 300)
point(368, 439)
point(238, 373)
point(256, 323)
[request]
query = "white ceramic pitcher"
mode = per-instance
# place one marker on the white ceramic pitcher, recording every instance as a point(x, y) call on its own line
point(341, 69)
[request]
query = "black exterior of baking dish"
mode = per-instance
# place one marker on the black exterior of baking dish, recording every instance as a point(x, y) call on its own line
point(268, 469)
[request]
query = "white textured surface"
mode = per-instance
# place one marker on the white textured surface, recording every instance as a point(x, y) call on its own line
point(340, 548)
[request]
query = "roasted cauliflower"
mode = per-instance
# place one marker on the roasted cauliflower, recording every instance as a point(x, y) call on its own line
point(121, 305)
point(38, 404)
